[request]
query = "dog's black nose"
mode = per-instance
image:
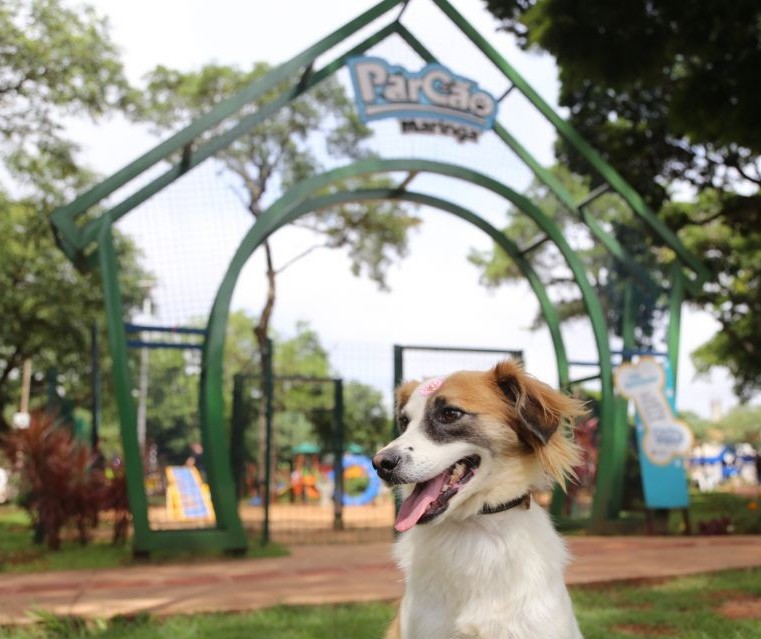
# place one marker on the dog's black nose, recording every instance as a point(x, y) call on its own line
point(386, 461)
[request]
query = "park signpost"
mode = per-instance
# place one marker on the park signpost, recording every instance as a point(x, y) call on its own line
point(664, 441)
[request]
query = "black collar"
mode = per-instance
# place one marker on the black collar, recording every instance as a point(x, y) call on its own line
point(523, 499)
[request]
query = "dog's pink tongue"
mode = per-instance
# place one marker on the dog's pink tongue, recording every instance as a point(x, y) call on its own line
point(415, 505)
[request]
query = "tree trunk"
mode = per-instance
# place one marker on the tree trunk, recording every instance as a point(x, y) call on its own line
point(261, 331)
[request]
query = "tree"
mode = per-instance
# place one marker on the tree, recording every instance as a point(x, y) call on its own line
point(742, 424)
point(55, 62)
point(701, 428)
point(668, 93)
point(731, 246)
point(281, 152)
point(47, 306)
point(366, 420)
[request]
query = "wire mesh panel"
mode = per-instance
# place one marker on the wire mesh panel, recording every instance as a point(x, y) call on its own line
point(420, 362)
point(166, 363)
point(313, 498)
point(183, 236)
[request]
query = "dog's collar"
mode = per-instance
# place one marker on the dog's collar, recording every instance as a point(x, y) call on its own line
point(490, 510)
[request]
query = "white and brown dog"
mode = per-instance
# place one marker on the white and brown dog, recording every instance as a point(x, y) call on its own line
point(480, 561)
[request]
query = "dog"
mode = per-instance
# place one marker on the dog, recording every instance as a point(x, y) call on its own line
point(480, 559)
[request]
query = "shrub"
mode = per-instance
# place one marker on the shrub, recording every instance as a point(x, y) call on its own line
point(59, 482)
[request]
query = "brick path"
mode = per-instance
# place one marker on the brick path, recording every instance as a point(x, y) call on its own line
point(331, 574)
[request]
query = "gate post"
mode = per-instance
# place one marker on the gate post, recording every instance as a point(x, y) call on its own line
point(338, 449)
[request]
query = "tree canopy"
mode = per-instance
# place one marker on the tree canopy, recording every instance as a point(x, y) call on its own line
point(668, 93)
point(740, 424)
point(55, 62)
point(47, 306)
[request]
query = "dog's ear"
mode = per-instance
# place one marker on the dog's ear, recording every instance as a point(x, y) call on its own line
point(536, 411)
point(403, 393)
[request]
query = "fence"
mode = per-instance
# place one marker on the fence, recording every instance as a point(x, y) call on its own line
point(316, 487)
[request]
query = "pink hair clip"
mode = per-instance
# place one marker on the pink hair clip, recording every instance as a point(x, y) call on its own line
point(431, 386)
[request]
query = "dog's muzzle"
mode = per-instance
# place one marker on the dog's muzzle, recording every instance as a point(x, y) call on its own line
point(385, 463)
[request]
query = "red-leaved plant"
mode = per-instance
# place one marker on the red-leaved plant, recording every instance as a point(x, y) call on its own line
point(58, 482)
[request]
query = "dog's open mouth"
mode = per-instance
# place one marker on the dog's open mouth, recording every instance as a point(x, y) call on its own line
point(431, 498)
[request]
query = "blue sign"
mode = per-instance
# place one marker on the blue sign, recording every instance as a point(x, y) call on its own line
point(663, 441)
point(433, 94)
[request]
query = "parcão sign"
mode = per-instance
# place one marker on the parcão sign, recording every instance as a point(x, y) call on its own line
point(432, 100)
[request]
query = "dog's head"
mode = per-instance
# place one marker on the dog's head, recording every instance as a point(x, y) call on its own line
point(476, 439)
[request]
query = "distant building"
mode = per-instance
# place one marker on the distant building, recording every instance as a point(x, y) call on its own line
point(717, 412)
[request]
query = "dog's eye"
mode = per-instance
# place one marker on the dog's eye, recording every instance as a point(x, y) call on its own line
point(449, 414)
point(404, 421)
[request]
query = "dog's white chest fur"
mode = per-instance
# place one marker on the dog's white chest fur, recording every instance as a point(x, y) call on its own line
point(497, 576)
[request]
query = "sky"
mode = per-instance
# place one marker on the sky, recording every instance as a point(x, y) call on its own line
point(189, 232)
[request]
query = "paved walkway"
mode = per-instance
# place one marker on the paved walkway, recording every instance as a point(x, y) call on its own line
point(331, 574)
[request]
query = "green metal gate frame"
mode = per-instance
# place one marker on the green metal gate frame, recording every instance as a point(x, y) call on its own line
point(239, 423)
point(91, 244)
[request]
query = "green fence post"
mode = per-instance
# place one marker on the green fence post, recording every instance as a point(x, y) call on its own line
point(95, 385)
point(676, 297)
point(267, 390)
point(338, 448)
point(117, 340)
point(620, 431)
point(398, 379)
point(238, 424)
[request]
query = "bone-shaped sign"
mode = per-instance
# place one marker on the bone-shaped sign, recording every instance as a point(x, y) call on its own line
point(666, 437)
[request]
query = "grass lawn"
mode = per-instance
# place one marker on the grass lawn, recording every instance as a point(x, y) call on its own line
point(717, 606)
point(723, 605)
point(19, 554)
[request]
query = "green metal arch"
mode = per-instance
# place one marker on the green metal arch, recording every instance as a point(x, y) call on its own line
point(89, 242)
point(290, 206)
point(506, 244)
point(641, 276)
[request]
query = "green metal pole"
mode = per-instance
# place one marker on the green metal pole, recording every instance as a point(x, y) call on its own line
point(613, 465)
point(117, 340)
point(95, 385)
point(676, 298)
point(398, 379)
point(398, 374)
point(338, 449)
point(267, 389)
point(238, 422)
